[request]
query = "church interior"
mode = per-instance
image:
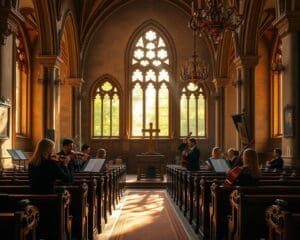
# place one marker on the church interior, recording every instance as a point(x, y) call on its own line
point(137, 78)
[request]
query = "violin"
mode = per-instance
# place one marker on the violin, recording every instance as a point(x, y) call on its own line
point(57, 158)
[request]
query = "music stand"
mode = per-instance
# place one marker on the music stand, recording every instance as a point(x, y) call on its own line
point(18, 155)
point(219, 165)
point(94, 165)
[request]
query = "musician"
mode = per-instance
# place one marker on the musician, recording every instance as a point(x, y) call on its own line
point(85, 155)
point(233, 158)
point(184, 149)
point(216, 153)
point(248, 174)
point(193, 155)
point(277, 162)
point(44, 171)
point(74, 162)
point(101, 153)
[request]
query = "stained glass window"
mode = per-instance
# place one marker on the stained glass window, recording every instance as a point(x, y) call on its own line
point(106, 110)
point(150, 79)
point(192, 111)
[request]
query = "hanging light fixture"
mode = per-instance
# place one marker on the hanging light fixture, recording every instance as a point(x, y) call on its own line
point(213, 18)
point(195, 69)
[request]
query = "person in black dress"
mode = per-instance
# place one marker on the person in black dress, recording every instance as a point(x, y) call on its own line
point(248, 174)
point(43, 170)
point(192, 156)
point(85, 155)
point(277, 162)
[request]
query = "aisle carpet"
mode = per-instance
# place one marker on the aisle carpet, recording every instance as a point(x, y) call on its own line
point(148, 215)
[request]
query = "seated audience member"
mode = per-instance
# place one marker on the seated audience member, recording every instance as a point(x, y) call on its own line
point(233, 158)
point(74, 163)
point(85, 156)
point(216, 153)
point(277, 162)
point(101, 153)
point(44, 171)
point(248, 174)
point(192, 156)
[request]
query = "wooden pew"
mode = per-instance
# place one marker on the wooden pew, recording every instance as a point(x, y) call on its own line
point(248, 211)
point(282, 223)
point(54, 212)
point(21, 224)
point(220, 207)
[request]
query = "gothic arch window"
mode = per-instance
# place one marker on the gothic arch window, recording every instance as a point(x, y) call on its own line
point(21, 87)
point(106, 109)
point(149, 81)
point(276, 93)
point(192, 111)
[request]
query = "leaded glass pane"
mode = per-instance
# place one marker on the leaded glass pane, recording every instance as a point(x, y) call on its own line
point(164, 110)
point(115, 116)
point(97, 116)
point(137, 110)
point(183, 116)
point(106, 115)
point(150, 105)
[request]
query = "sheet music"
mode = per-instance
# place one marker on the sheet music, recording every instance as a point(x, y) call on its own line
point(94, 165)
point(21, 155)
point(13, 154)
point(219, 165)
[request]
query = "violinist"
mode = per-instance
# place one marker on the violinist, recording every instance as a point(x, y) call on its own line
point(67, 152)
point(43, 171)
point(84, 155)
point(276, 163)
point(248, 174)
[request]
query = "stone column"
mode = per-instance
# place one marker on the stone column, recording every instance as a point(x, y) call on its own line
point(288, 26)
point(51, 97)
point(245, 89)
point(76, 84)
point(219, 110)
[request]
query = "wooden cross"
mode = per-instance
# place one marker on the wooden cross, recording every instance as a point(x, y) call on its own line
point(151, 131)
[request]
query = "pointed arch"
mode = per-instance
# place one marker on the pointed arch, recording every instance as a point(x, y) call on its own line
point(105, 97)
point(150, 57)
point(69, 28)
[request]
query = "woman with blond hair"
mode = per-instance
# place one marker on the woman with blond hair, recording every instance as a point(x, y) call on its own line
point(44, 170)
point(248, 174)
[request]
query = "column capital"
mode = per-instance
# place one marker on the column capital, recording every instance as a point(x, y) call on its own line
point(287, 23)
point(246, 61)
point(50, 61)
point(74, 82)
point(219, 82)
point(9, 18)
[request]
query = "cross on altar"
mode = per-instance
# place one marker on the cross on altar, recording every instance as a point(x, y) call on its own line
point(151, 131)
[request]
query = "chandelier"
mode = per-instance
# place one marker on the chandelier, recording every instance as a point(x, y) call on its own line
point(213, 18)
point(195, 69)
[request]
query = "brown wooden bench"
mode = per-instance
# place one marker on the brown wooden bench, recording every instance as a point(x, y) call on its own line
point(54, 212)
point(21, 224)
point(282, 223)
point(247, 220)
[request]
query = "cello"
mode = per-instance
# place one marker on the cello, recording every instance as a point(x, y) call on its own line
point(185, 152)
point(234, 173)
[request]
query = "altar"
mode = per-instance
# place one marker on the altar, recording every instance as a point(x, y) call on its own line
point(145, 160)
point(150, 158)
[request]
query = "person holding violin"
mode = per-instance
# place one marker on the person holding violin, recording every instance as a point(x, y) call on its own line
point(248, 174)
point(276, 163)
point(85, 155)
point(67, 152)
point(44, 170)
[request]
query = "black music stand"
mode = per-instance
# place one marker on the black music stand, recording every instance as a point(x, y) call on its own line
point(18, 155)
